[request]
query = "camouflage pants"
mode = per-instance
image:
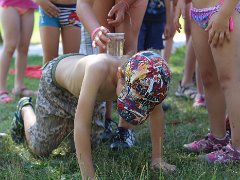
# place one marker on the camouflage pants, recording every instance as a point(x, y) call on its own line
point(55, 112)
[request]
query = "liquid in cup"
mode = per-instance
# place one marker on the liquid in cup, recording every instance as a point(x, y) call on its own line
point(115, 46)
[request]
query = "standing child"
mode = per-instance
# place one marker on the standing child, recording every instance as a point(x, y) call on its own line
point(17, 18)
point(215, 33)
point(58, 18)
point(70, 86)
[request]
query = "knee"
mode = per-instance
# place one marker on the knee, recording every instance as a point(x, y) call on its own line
point(23, 48)
point(226, 81)
point(9, 48)
point(40, 151)
point(208, 79)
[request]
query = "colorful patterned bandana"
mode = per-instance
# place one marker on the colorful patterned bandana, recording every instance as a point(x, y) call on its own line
point(147, 79)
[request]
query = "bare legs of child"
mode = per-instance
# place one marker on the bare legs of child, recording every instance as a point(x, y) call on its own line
point(219, 67)
point(71, 37)
point(16, 36)
point(186, 87)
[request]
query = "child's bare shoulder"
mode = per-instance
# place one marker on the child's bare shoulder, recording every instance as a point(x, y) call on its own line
point(98, 63)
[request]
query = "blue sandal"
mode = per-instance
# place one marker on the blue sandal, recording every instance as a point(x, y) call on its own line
point(17, 126)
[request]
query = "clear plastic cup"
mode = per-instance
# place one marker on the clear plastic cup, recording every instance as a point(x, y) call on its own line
point(115, 47)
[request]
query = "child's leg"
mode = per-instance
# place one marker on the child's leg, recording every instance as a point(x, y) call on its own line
point(227, 60)
point(136, 13)
point(45, 134)
point(169, 42)
point(10, 41)
point(187, 22)
point(214, 95)
point(27, 21)
point(185, 87)
point(29, 119)
point(50, 42)
point(71, 38)
point(199, 100)
point(200, 88)
point(189, 67)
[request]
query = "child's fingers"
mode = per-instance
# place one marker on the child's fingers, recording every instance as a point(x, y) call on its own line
point(210, 36)
point(103, 37)
point(227, 35)
point(177, 26)
point(51, 10)
point(104, 30)
point(221, 38)
point(98, 42)
point(117, 21)
point(113, 10)
point(215, 38)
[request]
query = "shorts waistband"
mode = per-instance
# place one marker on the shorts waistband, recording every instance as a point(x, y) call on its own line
point(65, 5)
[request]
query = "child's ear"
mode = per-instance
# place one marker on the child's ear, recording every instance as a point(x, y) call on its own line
point(120, 73)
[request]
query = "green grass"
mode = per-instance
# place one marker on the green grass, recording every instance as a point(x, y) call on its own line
point(18, 163)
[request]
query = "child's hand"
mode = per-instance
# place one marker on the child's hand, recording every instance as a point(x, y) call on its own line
point(49, 8)
point(100, 38)
point(117, 11)
point(180, 10)
point(218, 30)
point(158, 164)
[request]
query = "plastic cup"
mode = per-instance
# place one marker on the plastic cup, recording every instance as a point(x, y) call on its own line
point(115, 46)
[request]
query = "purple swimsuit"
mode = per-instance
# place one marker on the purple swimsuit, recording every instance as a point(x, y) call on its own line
point(202, 16)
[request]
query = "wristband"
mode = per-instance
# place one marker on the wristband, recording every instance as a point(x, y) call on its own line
point(94, 32)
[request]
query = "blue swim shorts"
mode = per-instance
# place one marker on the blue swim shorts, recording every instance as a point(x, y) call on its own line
point(67, 17)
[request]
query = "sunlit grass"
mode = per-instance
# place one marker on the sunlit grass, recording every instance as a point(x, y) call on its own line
point(17, 162)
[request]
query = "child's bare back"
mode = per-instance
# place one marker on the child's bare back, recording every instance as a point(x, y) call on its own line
point(71, 78)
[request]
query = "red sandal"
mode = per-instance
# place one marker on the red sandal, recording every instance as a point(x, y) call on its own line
point(4, 97)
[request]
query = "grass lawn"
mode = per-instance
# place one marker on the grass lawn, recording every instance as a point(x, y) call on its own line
point(18, 163)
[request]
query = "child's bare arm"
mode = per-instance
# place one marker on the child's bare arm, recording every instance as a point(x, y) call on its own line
point(49, 8)
point(94, 76)
point(98, 32)
point(157, 136)
point(180, 10)
point(167, 29)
